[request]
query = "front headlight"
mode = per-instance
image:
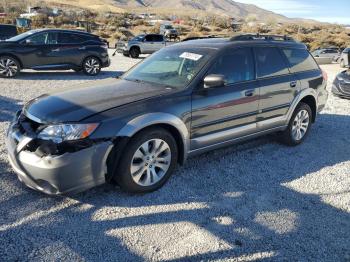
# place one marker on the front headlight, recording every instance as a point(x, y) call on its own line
point(67, 132)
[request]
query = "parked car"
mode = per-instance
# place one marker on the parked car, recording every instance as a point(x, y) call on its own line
point(341, 84)
point(142, 44)
point(183, 100)
point(326, 56)
point(168, 31)
point(7, 31)
point(53, 49)
point(344, 58)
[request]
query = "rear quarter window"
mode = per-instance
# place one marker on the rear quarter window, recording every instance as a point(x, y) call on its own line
point(299, 60)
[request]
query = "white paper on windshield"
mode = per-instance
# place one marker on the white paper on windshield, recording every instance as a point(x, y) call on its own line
point(191, 56)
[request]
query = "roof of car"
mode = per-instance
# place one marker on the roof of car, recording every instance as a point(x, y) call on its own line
point(219, 43)
point(63, 30)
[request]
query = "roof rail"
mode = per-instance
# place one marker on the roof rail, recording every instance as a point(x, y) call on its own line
point(246, 37)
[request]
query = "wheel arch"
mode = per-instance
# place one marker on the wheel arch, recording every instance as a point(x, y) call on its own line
point(167, 121)
point(14, 57)
point(135, 46)
point(311, 101)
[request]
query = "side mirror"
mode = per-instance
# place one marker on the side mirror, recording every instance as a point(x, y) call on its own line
point(214, 81)
point(28, 42)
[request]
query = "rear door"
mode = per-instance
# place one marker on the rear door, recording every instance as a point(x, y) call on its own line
point(72, 47)
point(278, 86)
point(230, 109)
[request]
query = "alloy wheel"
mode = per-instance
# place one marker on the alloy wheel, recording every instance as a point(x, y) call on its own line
point(150, 162)
point(300, 125)
point(8, 67)
point(92, 66)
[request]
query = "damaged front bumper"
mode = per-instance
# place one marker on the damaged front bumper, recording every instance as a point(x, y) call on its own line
point(68, 172)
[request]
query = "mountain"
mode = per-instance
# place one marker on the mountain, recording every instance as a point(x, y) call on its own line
point(221, 7)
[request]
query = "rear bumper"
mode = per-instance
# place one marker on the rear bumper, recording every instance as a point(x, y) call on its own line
point(106, 62)
point(63, 174)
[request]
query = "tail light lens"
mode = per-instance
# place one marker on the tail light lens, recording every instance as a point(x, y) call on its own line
point(325, 76)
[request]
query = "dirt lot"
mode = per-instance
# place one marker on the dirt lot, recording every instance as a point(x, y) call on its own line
point(257, 200)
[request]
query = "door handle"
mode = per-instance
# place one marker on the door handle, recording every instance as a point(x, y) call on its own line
point(293, 84)
point(55, 50)
point(249, 93)
point(82, 48)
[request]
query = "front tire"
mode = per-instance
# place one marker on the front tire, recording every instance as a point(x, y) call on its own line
point(92, 66)
point(9, 67)
point(148, 161)
point(299, 126)
point(134, 52)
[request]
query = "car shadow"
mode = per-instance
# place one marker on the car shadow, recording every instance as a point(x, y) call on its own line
point(8, 106)
point(63, 75)
point(253, 199)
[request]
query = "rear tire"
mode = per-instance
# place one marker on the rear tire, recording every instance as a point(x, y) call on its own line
point(92, 66)
point(134, 52)
point(9, 67)
point(148, 161)
point(299, 126)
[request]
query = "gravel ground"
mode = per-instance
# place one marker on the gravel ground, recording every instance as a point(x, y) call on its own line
point(257, 200)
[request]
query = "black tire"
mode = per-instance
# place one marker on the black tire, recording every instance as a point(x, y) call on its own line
point(342, 63)
point(92, 66)
point(134, 52)
point(123, 175)
point(9, 67)
point(287, 136)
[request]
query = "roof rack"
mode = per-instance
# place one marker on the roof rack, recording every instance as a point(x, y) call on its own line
point(246, 37)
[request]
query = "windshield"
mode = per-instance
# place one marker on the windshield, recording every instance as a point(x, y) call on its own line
point(138, 38)
point(22, 36)
point(170, 67)
point(168, 27)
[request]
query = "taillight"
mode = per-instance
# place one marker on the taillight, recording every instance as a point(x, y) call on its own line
point(325, 76)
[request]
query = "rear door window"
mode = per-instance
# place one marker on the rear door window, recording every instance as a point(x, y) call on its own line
point(270, 62)
point(299, 60)
point(68, 38)
point(236, 65)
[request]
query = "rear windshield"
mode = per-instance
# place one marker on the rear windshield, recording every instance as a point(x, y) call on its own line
point(8, 30)
point(299, 60)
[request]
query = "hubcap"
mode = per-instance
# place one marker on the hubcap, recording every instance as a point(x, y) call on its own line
point(92, 66)
point(150, 162)
point(8, 67)
point(300, 125)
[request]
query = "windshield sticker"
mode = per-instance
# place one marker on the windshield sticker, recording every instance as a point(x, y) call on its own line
point(191, 56)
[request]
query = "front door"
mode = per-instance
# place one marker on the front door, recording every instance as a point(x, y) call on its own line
point(40, 50)
point(223, 113)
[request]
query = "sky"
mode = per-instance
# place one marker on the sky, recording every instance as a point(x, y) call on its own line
point(333, 11)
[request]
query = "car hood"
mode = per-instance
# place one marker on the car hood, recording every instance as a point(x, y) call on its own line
point(84, 101)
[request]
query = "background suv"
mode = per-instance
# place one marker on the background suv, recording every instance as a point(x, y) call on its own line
point(344, 58)
point(185, 99)
point(7, 31)
point(53, 49)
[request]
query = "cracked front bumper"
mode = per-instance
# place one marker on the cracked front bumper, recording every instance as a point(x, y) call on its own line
point(62, 174)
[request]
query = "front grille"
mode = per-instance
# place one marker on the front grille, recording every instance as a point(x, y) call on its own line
point(345, 88)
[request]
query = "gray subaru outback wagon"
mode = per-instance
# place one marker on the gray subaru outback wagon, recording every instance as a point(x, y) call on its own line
point(185, 99)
